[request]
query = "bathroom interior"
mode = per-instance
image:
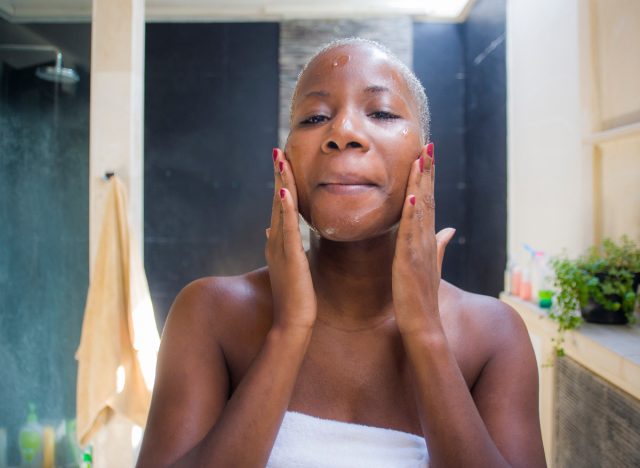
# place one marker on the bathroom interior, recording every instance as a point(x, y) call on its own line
point(535, 111)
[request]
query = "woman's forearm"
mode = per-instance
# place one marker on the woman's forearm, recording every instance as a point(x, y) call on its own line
point(245, 432)
point(454, 431)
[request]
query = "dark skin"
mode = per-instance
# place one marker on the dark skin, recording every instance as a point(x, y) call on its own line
point(359, 329)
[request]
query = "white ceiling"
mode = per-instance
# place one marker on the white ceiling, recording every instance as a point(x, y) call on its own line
point(241, 10)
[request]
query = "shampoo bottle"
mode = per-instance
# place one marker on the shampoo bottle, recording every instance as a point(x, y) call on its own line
point(30, 440)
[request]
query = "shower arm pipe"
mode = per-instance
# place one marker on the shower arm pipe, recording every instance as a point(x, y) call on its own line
point(35, 48)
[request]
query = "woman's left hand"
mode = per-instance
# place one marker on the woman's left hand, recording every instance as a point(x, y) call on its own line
point(419, 252)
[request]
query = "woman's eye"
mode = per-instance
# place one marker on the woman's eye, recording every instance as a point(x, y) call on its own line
point(384, 115)
point(314, 119)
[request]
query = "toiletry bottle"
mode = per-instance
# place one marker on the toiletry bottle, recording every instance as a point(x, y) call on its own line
point(68, 452)
point(536, 274)
point(48, 447)
point(529, 284)
point(516, 279)
point(30, 440)
point(87, 458)
point(525, 284)
point(4, 457)
point(525, 280)
point(545, 293)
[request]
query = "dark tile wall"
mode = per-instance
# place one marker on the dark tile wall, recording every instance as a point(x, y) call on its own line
point(486, 146)
point(44, 203)
point(462, 67)
point(211, 108)
point(438, 61)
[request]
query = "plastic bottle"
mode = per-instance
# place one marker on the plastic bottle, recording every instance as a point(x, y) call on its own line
point(516, 280)
point(525, 284)
point(30, 440)
point(507, 276)
point(48, 447)
point(68, 452)
point(545, 292)
point(4, 457)
point(87, 458)
point(531, 276)
point(537, 272)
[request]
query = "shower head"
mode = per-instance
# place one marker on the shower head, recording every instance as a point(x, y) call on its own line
point(57, 73)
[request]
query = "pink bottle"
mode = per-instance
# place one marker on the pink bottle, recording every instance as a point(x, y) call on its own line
point(516, 279)
point(525, 285)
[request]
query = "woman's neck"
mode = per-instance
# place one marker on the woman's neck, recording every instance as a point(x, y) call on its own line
point(353, 281)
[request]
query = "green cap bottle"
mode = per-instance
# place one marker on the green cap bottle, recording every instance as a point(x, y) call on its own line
point(30, 439)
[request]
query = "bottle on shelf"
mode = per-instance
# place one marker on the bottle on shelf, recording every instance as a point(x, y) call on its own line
point(516, 280)
point(68, 452)
point(525, 284)
point(48, 447)
point(508, 271)
point(545, 290)
point(87, 458)
point(30, 440)
point(4, 456)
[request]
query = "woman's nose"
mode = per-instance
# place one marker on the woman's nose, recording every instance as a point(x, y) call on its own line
point(345, 132)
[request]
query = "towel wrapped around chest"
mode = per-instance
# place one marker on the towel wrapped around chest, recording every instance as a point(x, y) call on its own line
point(311, 442)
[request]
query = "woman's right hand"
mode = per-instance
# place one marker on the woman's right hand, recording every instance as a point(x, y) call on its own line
point(294, 299)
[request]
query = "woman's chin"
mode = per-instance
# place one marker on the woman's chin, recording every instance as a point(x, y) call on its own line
point(351, 229)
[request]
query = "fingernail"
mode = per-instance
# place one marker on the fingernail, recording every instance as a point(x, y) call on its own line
point(274, 155)
point(281, 166)
point(282, 193)
point(412, 199)
point(421, 163)
point(430, 153)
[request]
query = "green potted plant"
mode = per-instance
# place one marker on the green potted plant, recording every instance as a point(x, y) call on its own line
point(599, 287)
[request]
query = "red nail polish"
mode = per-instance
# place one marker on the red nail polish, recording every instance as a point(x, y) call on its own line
point(430, 150)
point(281, 166)
point(282, 193)
point(421, 163)
point(412, 199)
point(274, 155)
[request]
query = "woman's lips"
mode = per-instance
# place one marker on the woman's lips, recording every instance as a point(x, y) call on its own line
point(347, 189)
point(346, 183)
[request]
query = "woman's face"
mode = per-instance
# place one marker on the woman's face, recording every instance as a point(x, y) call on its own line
point(355, 131)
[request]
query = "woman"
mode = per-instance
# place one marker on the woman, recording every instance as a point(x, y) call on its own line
point(359, 334)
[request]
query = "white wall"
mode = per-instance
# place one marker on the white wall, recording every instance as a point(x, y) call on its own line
point(573, 78)
point(550, 196)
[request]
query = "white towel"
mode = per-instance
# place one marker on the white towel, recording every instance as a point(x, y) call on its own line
point(310, 442)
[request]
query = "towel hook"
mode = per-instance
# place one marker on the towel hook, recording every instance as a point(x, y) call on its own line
point(108, 175)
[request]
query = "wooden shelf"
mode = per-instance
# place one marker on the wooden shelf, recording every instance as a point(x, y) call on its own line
point(610, 351)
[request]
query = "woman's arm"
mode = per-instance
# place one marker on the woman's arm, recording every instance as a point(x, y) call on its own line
point(191, 423)
point(496, 424)
point(499, 428)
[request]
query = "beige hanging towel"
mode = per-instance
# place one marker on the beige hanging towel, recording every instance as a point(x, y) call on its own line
point(119, 342)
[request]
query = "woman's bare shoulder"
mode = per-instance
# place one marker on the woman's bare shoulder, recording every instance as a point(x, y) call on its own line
point(489, 320)
point(218, 302)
